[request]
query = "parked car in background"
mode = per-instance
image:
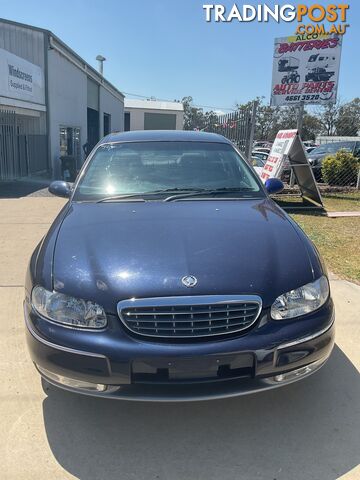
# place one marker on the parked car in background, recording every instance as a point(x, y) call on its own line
point(258, 163)
point(261, 155)
point(317, 155)
point(309, 144)
point(262, 149)
point(166, 276)
point(262, 143)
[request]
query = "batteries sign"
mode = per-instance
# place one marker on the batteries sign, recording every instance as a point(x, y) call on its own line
point(305, 71)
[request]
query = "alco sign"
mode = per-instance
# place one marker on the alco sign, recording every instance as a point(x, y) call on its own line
point(305, 71)
point(20, 79)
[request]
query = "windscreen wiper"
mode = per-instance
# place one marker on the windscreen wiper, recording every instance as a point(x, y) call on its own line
point(205, 191)
point(124, 196)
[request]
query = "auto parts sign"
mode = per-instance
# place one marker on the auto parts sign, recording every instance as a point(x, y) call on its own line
point(305, 71)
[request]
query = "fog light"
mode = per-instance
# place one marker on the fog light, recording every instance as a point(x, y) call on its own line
point(72, 382)
point(299, 372)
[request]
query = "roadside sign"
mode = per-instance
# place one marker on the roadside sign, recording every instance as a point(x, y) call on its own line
point(305, 71)
point(277, 157)
point(288, 149)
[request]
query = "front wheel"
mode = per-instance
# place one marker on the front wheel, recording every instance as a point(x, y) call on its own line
point(297, 78)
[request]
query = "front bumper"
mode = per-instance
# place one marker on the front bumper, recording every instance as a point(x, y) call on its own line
point(127, 368)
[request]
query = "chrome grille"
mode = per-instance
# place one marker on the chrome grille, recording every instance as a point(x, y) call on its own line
point(189, 316)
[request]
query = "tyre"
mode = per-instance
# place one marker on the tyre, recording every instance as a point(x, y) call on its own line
point(297, 78)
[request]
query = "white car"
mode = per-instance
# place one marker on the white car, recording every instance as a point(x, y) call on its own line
point(262, 149)
point(258, 164)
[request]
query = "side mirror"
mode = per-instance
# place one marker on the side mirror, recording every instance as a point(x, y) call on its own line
point(274, 185)
point(60, 188)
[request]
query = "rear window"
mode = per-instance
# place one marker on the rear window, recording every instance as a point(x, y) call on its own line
point(333, 147)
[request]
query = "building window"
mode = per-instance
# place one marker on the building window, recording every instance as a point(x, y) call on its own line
point(127, 122)
point(107, 124)
point(70, 143)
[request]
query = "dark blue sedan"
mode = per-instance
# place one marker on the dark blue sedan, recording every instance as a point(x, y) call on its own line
point(170, 274)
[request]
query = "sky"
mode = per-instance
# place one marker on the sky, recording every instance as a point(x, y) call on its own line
point(165, 49)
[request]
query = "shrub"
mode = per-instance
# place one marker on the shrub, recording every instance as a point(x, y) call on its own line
point(340, 169)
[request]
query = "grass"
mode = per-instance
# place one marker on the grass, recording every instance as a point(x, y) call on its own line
point(338, 239)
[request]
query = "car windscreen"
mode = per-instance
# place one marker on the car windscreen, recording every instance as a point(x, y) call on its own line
point(257, 161)
point(333, 147)
point(148, 167)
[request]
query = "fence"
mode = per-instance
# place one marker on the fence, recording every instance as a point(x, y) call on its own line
point(237, 127)
point(335, 162)
point(21, 154)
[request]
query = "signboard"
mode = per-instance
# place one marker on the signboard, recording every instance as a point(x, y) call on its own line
point(305, 71)
point(20, 79)
point(288, 149)
point(280, 149)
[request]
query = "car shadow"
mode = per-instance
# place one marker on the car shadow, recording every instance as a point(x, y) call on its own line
point(307, 430)
point(24, 188)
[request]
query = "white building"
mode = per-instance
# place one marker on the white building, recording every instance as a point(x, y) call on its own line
point(51, 103)
point(153, 115)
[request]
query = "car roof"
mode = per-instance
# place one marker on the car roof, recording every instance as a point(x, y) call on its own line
point(164, 136)
point(336, 143)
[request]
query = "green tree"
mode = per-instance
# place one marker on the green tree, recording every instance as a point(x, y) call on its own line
point(340, 169)
point(348, 120)
point(311, 127)
point(328, 116)
point(267, 118)
point(194, 117)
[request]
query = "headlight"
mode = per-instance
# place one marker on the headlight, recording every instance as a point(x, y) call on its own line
point(303, 300)
point(67, 310)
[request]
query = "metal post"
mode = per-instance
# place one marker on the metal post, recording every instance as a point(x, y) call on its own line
point(300, 118)
point(252, 130)
point(358, 180)
point(101, 61)
point(49, 161)
point(299, 129)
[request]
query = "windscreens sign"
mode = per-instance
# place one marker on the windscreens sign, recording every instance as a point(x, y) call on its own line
point(20, 79)
point(305, 70)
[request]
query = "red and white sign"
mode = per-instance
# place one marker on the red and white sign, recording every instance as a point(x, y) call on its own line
point(279, 150)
